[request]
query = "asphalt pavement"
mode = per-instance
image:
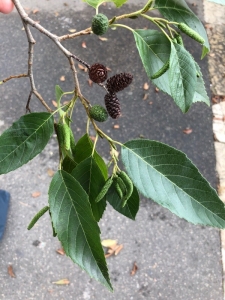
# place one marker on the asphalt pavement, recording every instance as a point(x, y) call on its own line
point(175, 259)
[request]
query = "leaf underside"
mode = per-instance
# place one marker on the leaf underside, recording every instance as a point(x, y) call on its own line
point(75, 226)
point(25, 139)
point(168, 177)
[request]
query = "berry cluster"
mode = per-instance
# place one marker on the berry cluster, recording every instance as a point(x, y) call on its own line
point(115, 84)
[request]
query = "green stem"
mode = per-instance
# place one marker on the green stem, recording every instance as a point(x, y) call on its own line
point(155, 22)
point(95, 143)
point(88, 125)
point(124, 26)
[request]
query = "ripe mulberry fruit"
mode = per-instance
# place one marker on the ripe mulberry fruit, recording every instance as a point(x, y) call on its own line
point(118, 82)
point(98, 73)
point(100, 24)
point(98, 113)
point(112, 105)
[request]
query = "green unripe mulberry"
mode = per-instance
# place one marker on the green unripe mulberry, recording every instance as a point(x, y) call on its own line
point(37, 217)
point(120, 187)
point(98, 113)
point(161, 71)
point(63, 134)
point(129, 186)
point(100, 24)
point(104, 190)
point(190, 32)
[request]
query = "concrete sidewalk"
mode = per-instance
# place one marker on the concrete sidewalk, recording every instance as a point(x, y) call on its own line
point(214, 17)
point(176, 260)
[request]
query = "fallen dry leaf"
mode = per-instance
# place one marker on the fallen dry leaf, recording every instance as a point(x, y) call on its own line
point(146, 86)
point(145, 97)
point(116, 126)
point(109, 243)
point(50, 172)
point(108, 255)
point(66, 102)
point(113, 247)
point(92, 137)
point(134, 270)
point(62, 281)
point(62, 78)
point(156, 90)
point(54, 103)
point(103, 39)
point(215, 99)
point(35, 194)
point(56, 14)
point(60, 251)
point(118, 249)
point(10, 271)
point(208, 26)
point(35, 11)
point(90, 82)
point(72, 30)
point(187, 131)
point(81, 67)
point(84, 45)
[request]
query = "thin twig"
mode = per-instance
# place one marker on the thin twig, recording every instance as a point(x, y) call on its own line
point(34, 91)
point(74, 35)
point(28, 102)
point(81, 61)
point(14, 76)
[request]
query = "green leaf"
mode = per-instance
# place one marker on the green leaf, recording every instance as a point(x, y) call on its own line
point(182, 76)
point(84, 148)
point(58, 94)
point(200, 94)
point(90, 177)
point(154, 50)
point(75, 226)
point(68, 164)
point(130, 209)
point(25, 139)
point(96, 3)
point(178, 11)
point(167, 176)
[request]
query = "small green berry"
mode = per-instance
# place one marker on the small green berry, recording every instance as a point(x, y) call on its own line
point(100, 24)
point(98, 113)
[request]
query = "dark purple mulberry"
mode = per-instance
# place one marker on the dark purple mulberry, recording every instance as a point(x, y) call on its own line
point(118, 82)
point(112, 105)
point(98, 73)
